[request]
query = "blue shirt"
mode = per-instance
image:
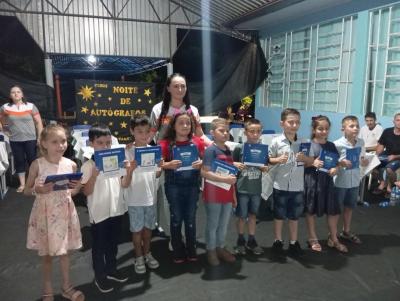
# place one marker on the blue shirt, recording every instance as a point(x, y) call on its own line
point(347, 178)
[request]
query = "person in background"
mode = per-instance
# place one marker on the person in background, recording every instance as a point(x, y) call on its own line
point(24, 128)
point(370, 132)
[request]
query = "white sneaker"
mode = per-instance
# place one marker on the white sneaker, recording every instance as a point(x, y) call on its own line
point(151, 262)
point(140, 267)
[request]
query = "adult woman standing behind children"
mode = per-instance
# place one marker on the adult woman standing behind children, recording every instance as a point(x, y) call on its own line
point(22, 118)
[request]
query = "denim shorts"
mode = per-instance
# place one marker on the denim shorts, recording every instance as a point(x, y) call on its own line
point(141, 217)
point(393, 165)
point(346, 197)
point(288, 204)
point(247, 204)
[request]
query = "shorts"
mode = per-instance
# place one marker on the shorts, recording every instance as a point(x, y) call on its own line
point(141, 217)
point(346, 197)
point(247, 204)
point(288, 204)
point(393, 165)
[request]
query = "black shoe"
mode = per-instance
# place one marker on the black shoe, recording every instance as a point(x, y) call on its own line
point(104, 285)
point(191, 254)
point(117, 277)
point(277, 247)
point(295, 249)
point(254, 247)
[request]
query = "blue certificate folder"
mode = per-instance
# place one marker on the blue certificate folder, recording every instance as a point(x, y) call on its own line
point(61, 181)
point(353, 155)
point(222, 168)
point(148, 156)
point(330, 159)
point(255, 154)
point(305, 148)
point(187, 154)
point(110, 160)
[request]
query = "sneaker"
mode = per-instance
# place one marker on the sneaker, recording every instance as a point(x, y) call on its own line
point(277, 247)
point(225, 255)
point(140, 267)
point(212, 258)
point(150, 261)
point(179, 255)
point(191, 254)
point(240, 248)
point(104, 285)
point(295, 249)
point(254, 247)
point(117, 277)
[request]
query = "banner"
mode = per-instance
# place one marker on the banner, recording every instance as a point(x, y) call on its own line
point(113, 104)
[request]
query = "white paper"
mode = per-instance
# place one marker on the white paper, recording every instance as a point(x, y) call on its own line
point(373, 161)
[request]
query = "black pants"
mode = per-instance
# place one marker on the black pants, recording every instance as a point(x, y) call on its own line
point(105, 246)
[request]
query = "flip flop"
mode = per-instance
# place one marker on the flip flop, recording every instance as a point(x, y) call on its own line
point(314, 245)
point(20, 189)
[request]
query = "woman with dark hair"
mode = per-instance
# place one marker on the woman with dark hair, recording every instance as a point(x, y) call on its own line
point(176, 100)
point(25, 125)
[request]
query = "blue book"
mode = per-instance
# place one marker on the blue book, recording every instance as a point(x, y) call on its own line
point(187, 154)
point(255, 154)
point(353, 155)
point(148, 157)
point(61, 181)
point(304, 147)
point(110, 162)
point(222, 168)
point(330, 159)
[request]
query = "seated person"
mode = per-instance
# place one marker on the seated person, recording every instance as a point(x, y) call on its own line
point(370, 132)
point(390, 143)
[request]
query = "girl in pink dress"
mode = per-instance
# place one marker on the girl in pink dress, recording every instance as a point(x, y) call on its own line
point(53, 227)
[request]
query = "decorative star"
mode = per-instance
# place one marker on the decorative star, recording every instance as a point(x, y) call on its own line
point(147, 92)
point(99, 95)
point(84, 110)
point(123, 125)
point(150, 101)
point(116, 133)
point(85, 122)
point(86, 92)
point(110, 99)
point(139, 100)
point(95, 104)
point(110, 123)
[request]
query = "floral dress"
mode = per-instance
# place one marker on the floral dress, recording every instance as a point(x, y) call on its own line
point(54, 224)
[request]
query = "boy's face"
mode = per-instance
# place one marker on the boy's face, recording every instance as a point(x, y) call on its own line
point(291, 124)
point(141, 134)
point(351, 128)
point(221, 133)
point(253, 133)
point(370, 122)
point(102, 142)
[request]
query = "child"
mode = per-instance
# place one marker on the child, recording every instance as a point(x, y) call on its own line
point(218, 201)
point(54, 224)
point(319, 187)
point(182, 187)
point(288, 181)
point(347, 180)
point(248, 191)
point(140, 198)
point(105, 212)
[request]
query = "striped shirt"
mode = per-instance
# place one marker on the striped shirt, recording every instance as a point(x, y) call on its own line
point(20, 120)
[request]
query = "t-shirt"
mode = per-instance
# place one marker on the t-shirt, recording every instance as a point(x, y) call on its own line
point(142, 190)
point(106, 200)
point(165, 146)
point(390, 141)
point(370, 137)
point(212, 193)
point(20, 120)
point(155, 115)
point(249, 179)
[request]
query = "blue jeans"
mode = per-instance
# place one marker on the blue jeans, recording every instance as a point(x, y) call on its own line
point(288, 204)
point(23, 152)
point(247, 204)
point(182, 201)
point(218, 216)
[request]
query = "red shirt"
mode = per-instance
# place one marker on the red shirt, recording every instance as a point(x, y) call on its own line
point(165, 146)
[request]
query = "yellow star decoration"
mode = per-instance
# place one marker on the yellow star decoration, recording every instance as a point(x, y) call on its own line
point(95, 104)
point(147, 92)
point(139, 100)
point(123, 125)
point(110, 123)
point(99, 95)
point(84, 110)
point(110, 98)
point(85, 122)
point(150, 101)
point(86, 92)
point(116, 133)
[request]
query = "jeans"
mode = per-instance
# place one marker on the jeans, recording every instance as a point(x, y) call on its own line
point(23, 151)
point(183, 205)
point(218, 216)
point(105, 246)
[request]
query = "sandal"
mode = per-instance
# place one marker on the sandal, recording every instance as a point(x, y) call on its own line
point(337, 245)
point(314, 245)
point(72, 294)
point(47, 297)
point(20, 189)
point(351, 237)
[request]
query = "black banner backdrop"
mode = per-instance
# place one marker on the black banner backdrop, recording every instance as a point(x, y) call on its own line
point(113, 104)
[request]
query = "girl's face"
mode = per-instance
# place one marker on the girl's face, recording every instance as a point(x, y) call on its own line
point(177, 88)
point(55, 143)
point(183, 126)
point(16, 94)
point(141, 134)
point(322, 130)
